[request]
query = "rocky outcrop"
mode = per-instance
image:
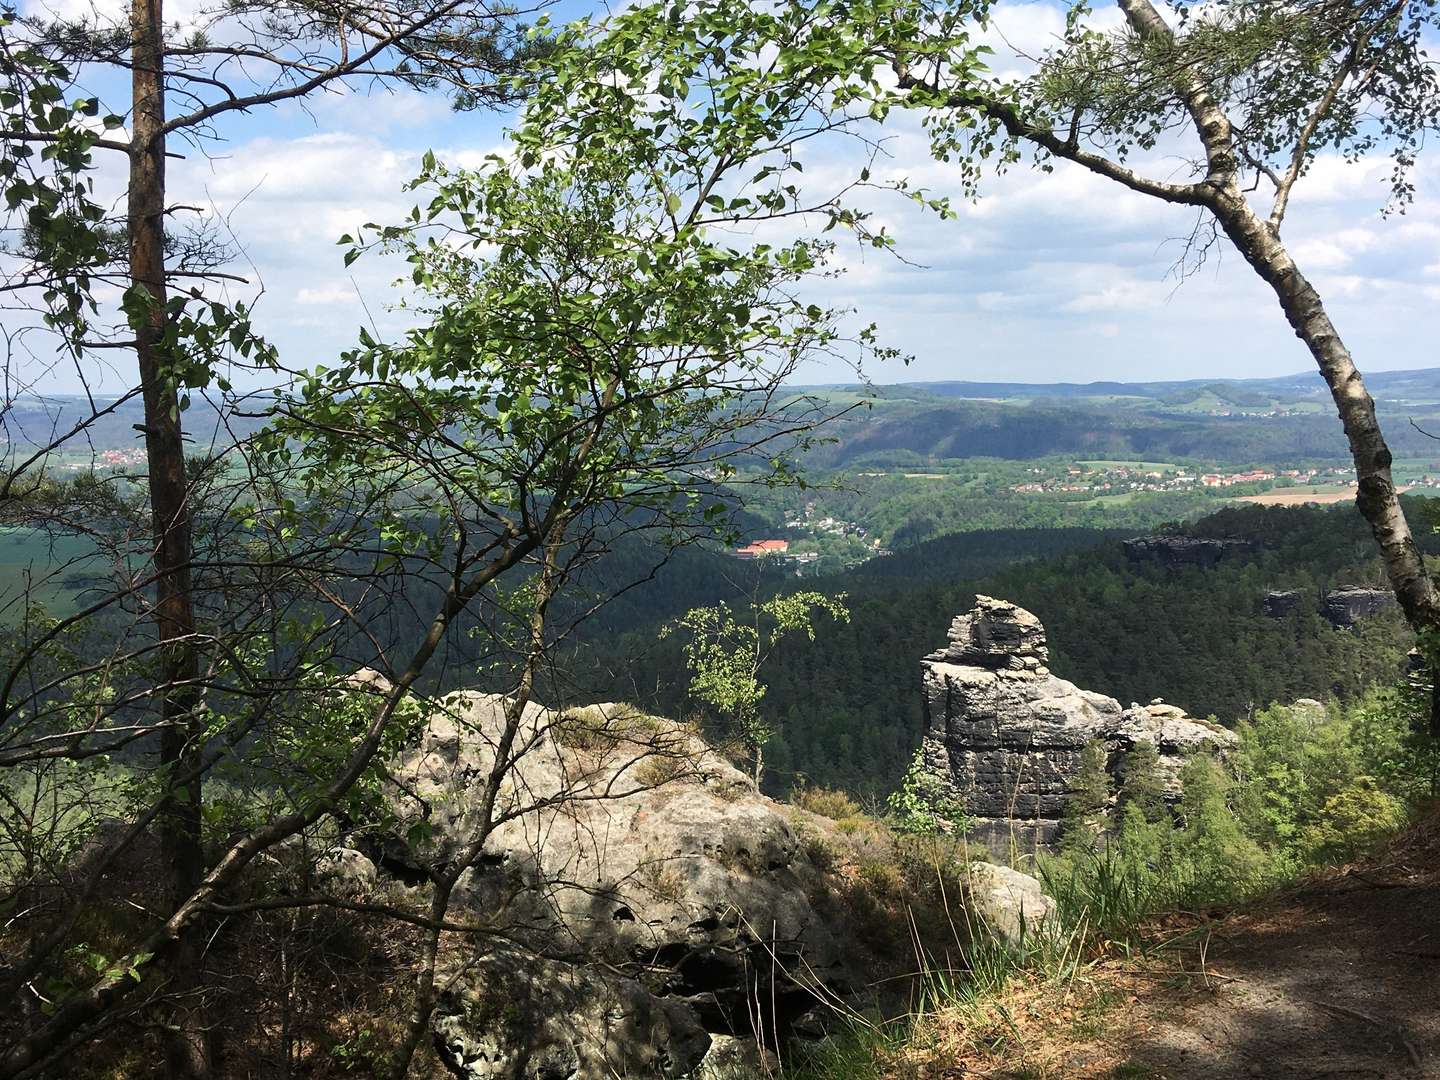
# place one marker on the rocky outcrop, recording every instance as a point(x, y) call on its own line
point(1012, 903)
point(1007, 735)
point(1342, 607)
point(1176, 552)
point(1280, 603)
point(641, 897)
point(1346, 606)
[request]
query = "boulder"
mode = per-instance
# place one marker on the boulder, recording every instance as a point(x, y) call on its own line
point(1006, 736)
point(646, 897)
point(1013, 904)
point(347, 871)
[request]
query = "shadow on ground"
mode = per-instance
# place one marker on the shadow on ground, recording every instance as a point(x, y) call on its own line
point(1340, 980)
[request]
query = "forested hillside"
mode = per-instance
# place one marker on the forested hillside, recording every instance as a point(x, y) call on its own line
point(849, 706)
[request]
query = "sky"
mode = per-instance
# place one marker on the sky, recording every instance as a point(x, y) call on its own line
point(1046, 277)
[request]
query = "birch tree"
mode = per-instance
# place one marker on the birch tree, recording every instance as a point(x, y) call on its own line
point(1250, 94)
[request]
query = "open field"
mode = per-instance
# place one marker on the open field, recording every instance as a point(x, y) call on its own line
point(1298, 496)
point(36, 564)
point(1110, 463)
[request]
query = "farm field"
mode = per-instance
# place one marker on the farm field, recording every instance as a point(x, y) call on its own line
point(1299, 496)
point(35, 562)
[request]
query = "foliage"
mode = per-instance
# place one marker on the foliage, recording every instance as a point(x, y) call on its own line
point(724, 656)
point(1088, 798)
point(827, 802)
point(850, 708)
point(1141, 784)
point(590, 350)
point(1311, 775)
point(1297, 793)
point(925, 804)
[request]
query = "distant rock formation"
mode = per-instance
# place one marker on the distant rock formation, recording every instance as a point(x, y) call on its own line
point(1007, 735)
point(1181, 551)
point(1280, 603)
point(1346, 606)
point(1342, 607)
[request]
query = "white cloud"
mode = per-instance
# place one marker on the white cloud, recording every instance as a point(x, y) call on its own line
point(1130, 296)
point(326, 296)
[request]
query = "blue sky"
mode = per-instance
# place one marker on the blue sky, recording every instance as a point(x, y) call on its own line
point(1047, 277)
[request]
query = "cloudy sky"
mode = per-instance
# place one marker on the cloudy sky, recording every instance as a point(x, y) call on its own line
point(1047, 277)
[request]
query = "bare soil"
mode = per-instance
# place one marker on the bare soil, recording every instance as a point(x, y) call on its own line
point(1340, 979)
point(1336, 980)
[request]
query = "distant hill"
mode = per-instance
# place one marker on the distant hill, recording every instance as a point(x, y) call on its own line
point(1421, 384)
point(1275, 421)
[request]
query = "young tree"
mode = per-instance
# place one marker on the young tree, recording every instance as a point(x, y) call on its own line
point(1087, 797)
point(1141, 784)
point(595, 352)
point(725, 655)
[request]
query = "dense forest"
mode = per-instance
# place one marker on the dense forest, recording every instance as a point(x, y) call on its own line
point(849, 707)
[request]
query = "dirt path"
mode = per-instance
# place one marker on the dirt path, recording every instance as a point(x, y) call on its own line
point(1340, 980)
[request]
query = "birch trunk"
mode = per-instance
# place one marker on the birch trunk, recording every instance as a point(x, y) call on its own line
point(1376, 495)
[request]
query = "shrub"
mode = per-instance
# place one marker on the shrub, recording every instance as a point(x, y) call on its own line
point(827, 802)
point(926, 804)
point(1353, 821)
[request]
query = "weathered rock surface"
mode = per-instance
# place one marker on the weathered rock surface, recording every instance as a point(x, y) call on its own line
point(1008, 735)
point(1013, 903)
point(646, 897)
point(1346, 606)
point(1181, 551)
point(1280, 603)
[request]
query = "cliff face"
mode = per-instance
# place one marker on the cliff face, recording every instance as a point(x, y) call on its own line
point(1181, 551)
point(1349, 604)
point(1008, 735)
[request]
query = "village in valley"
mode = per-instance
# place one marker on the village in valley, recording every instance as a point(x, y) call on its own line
point(1105, 477)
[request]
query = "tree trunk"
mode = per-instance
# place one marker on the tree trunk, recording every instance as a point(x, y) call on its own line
point(170, 510)
point(1376, 496)
point(1259, 241)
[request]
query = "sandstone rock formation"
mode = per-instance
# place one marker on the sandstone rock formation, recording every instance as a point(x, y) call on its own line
point(1282, 602)
point(1181, 551)
point(1343, 607)
point(1008, 735)
point(1346, 606)
point(643, 896)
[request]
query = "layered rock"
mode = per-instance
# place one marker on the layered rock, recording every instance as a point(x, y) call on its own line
point(1346, 606)
point(1279, 603)
point(642, 896)
point(1008, 735)
point(1181, 551)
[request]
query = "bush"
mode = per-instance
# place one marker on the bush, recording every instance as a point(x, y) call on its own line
point(1306, 786)
point(827, 802)
point(926, 804)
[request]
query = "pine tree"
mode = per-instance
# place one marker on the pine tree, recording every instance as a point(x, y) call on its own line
point(1087, 797)
point(1141, 785)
